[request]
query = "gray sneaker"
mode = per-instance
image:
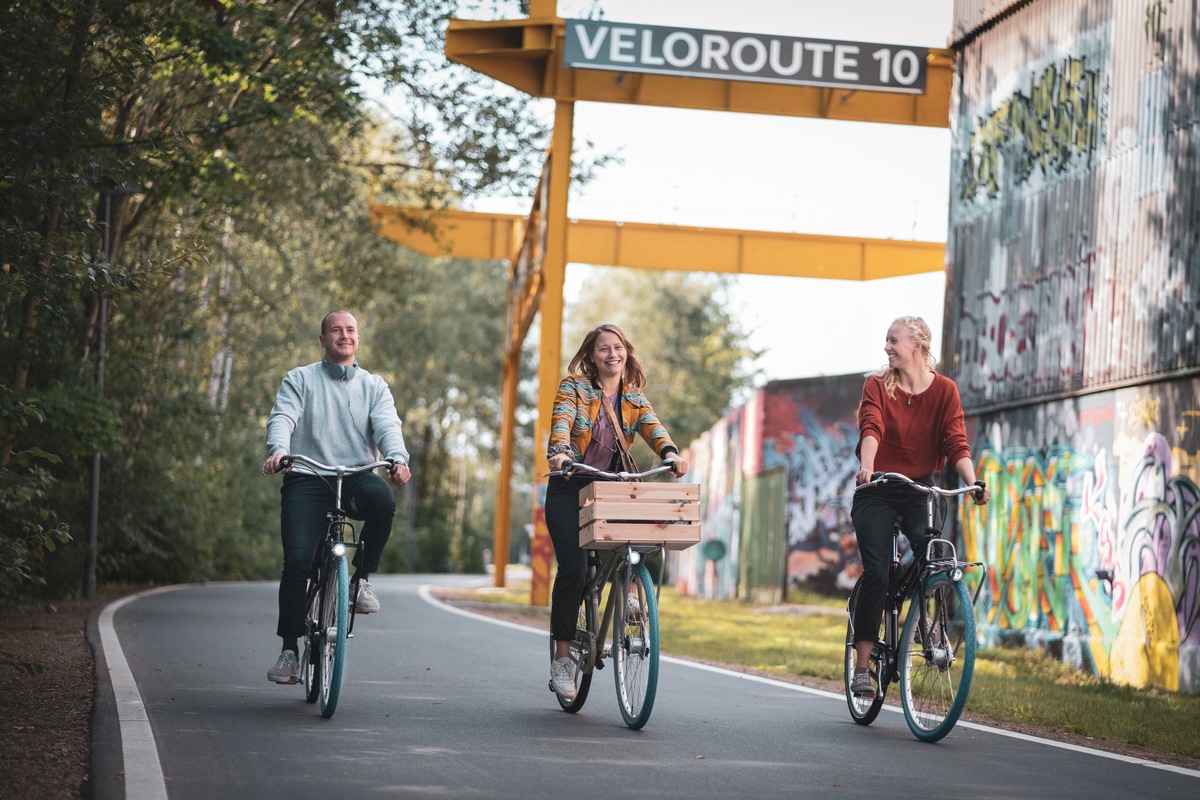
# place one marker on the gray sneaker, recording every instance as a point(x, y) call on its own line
point(285, 669)
point(562, 678)
point(861, 685)
point(365, 601)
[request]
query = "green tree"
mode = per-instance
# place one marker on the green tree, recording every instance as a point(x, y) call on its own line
point(241, 127)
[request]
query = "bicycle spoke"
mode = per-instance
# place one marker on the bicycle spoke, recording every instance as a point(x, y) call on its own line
point(937, 658)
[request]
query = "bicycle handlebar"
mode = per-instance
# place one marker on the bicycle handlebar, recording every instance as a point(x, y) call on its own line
point(880, 478)
point(288, 461)
point(570, 467)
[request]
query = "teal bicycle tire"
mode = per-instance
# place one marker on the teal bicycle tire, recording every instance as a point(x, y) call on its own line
point(934, 688)
point(335, 614)
point(635, 651)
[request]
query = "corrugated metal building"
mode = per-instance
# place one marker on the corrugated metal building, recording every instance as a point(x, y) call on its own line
point(1073, 317)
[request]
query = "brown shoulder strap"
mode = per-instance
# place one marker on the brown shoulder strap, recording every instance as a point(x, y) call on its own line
point(618, 428)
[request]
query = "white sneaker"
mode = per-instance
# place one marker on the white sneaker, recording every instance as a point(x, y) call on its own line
point(285, 669)
point(365, 600)
point(562, 678)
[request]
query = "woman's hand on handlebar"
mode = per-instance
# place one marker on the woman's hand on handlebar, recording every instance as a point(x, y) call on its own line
point(679, 466)
point(559, 460)
point(981, 496)
point(864, 476)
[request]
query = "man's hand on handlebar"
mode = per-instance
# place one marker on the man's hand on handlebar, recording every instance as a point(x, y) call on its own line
point(273, 464)
point(399, 474)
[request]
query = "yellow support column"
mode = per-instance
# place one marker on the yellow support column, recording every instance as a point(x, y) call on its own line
point(554, 267)
point(508, 415)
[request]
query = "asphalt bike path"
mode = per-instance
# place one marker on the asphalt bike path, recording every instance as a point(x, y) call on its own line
point(438, 702)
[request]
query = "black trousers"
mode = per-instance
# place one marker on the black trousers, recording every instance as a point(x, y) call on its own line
point(873, 513)
point(562, 520)
point(305, 499)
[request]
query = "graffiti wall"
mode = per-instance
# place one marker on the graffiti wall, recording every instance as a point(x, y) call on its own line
point(809, 429)
point(1096, 551)
point(1074, 240)
point(1073, 317)
point(806, 430)
point(716, 458)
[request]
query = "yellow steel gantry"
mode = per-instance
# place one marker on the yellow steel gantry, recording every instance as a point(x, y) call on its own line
point(528, 55)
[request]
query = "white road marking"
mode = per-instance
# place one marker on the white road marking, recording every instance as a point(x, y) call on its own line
point(427, 595)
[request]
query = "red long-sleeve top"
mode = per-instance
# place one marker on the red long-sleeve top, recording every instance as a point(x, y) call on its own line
point(916, 433)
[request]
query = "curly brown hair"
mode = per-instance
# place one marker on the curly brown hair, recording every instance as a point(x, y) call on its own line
point(634, 376)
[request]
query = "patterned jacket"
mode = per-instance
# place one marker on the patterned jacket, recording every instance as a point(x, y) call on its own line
point(577, 406)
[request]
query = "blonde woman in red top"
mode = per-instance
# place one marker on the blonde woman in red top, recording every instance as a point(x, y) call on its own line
point(910, 420)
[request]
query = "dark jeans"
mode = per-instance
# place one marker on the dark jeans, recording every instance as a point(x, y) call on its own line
point(873, 512)
point(562, 520)
point(304, 502)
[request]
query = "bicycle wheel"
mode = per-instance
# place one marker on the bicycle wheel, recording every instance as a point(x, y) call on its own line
point(581, 651)
point(938, 663)
point(635, 648)
point(310, 652)
point(335, 612)
point(863, 710)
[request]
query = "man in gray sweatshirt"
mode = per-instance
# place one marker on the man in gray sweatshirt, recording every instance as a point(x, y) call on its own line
point(337, 413)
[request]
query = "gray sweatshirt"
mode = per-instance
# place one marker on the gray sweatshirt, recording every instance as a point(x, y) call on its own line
point(339, 421)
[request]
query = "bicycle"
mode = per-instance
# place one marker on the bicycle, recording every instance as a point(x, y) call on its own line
point(329, 615)
point(933, 657)
point(634, 647)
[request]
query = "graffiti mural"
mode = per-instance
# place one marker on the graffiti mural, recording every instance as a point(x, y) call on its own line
point(1047, 127)
point(809, 429)
point(711, 569)
point(1097, 553)
point(1091, 543)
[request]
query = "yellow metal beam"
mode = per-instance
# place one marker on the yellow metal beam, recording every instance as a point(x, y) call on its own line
point(495, 237)
point(527, 54)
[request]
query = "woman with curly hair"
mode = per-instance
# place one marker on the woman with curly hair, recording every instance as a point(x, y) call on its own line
point(603, 385)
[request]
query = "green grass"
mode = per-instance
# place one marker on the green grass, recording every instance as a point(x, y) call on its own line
point(1012, 686)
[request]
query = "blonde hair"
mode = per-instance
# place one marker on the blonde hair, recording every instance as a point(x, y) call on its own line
point(917, 330)
point(634, 376)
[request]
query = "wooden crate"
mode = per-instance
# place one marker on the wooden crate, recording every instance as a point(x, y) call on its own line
point(614, 513)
